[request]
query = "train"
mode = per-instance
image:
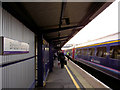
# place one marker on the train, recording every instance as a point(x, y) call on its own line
point(102, 54)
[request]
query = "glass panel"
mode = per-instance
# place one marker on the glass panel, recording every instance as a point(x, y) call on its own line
point(79, 51)
point(115, 52)
point(84, 51)
point(91, 51)
point(101, 52)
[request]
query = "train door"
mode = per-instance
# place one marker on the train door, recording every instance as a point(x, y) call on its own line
point(114, 56)
point(73, 53)
point(85, 51)
point(77, 52)
point(91, 53)
point(101, 56)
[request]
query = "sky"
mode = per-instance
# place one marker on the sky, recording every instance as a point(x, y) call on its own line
point(104, 24)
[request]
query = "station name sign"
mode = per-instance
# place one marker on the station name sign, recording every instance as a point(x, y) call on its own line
point(10, 46)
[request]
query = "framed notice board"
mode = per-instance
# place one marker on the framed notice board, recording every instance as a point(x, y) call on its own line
point(10, 46)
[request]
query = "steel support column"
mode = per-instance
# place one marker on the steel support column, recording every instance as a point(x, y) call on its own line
point(40, 62)
point(50, 56)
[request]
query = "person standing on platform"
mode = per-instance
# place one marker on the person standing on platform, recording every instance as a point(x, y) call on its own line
point(61, 58)
point(68, 56)
point(55, 56)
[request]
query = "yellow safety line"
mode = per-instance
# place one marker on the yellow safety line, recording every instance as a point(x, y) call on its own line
point(75, 83)
point(44, 83)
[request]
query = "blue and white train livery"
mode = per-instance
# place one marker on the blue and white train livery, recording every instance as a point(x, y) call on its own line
point(102, 54)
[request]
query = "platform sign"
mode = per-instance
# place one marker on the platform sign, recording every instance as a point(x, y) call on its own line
point(10, 46)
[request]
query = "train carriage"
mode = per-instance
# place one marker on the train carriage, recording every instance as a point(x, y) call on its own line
point(102, 54)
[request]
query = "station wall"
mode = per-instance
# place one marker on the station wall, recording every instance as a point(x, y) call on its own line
point(22, 74)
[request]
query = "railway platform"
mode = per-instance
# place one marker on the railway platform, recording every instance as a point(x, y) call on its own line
point(31, 33)
point(72, 76)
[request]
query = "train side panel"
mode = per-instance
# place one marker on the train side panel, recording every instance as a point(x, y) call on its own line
point(104, 57)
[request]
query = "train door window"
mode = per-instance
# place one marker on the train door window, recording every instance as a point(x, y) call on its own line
point(70, 52)
point(104, 51)
point(115, 52)
point(101, 52)
point(80, 52)
point(77, 51)
point(91, 51)
point(84, 51)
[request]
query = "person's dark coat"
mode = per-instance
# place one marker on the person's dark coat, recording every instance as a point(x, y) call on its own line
point(61, 58)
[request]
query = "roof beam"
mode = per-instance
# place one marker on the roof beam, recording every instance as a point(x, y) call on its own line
point(58, 38)
point(62, 13)
point(93, 12)
point(103, 7)
point(62, 29)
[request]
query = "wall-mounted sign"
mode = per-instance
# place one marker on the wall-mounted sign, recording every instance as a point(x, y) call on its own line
point(10, 46)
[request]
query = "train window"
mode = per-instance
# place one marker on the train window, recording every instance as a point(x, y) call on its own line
point(101, 52)
point(80, 52)
point(84, 51)
point(115, 52)
point(77, 51)
point(70, 52)
point(91, 51)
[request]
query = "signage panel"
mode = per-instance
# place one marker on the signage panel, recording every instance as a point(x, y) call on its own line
point(10, 46)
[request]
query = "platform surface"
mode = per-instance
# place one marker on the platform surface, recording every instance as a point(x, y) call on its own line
point(60, 78)
point(86, 79)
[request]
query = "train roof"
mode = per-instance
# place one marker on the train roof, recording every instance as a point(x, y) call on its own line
point(107, 38)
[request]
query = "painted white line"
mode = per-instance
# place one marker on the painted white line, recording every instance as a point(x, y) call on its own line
point(91, 75)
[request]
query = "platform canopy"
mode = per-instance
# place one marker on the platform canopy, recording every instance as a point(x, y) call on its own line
point(57, 21)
